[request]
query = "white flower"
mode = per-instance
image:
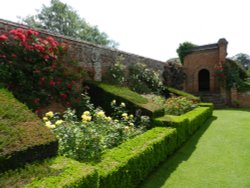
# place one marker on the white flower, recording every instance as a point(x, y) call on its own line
point(123, 104)
point(45, 119)
point(113, 102)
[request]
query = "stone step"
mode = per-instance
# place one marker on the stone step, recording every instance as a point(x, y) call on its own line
point(214, 98)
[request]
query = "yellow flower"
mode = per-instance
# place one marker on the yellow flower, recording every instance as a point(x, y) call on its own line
point(49, 114)
point(113, 102)
point(86, 118)
point(87, 113)
point(100, 114)
point(124, 115)
point(123, 104)
point(131, 124)
point(45, 119)
point(49, 125)
point(131, 116)
point(59, 122)
point(126, 128)
point(108, 118)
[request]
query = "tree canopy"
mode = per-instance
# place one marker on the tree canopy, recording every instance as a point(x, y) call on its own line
point(63, 19)
point(184, 49)
point(243, 59)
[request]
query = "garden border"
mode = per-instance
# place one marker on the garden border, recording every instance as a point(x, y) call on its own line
point(129, 163)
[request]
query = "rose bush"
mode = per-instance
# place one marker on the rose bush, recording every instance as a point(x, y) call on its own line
point(32, 67)
point(87, 138)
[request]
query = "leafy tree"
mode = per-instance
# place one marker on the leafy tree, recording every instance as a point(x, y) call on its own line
point(243, 59)
point(184, 49)
point(63, 19)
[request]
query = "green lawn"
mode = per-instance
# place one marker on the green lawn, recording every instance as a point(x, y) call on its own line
point(218, 155)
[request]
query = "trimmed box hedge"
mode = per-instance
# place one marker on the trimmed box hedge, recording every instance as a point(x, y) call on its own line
point(128, 164)
point(103, 94)
point(52, 173)
point(22, 135)
point(182, 93)
point(124, 166)
point(187, 123)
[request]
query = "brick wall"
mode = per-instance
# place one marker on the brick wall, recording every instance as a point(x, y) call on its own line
point(194, 63)
point(93, 58)
point(240, 99)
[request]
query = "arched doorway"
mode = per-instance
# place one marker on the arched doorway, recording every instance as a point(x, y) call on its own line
point(204, 80)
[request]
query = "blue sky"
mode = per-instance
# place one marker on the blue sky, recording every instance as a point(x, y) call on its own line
point(154, 28)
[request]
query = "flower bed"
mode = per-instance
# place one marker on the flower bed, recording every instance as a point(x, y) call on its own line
point(96, 132)
point(123, 166)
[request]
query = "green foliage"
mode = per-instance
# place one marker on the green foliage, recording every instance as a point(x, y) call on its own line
point(138, 77)
point(102, 95)
point(243, 59)
point(33, 69)
point(129, 163)
point(185, 124)
point(198, 117)
point(52, 173)
point(141, 79)
point(157, 99)
point(179, 105)
point(234, 74)
point(116, 74)
point(204, 104)
point(184, 49)
point(245, 86)
point(63, 19)
point(21, 134)
point(183, 93)
point(87, 139)
point(174, 75)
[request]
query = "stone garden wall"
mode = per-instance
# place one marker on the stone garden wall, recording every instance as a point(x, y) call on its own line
point(95, 59)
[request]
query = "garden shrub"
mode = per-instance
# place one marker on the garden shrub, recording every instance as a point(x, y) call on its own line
point(102, 95)
point(178, 122)
point(187, 123)
point(22, 136)
point(128, 164)
point(117, 73)
point(52, 173)
point(32, 67)
point(230, 74)
point(96, 132)
point(179, 105)
point(141, 79)
point(138, 77)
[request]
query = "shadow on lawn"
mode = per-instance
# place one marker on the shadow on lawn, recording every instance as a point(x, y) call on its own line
point(161, 173)
point(235, 109)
